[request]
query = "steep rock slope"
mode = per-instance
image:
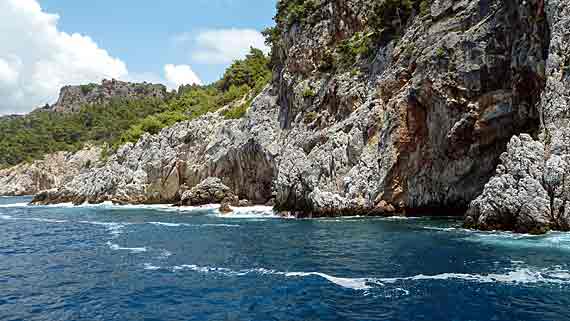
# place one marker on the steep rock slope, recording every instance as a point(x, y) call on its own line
point(54, 171)
point(375, 107)
point(160, 168)
point(531, 189)
point(417, 126)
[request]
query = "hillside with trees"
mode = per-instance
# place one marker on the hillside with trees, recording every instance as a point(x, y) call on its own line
point(124, 120)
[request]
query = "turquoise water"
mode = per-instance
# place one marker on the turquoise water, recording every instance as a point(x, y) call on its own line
point(159, 263)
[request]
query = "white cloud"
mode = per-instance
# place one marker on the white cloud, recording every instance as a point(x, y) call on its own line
point(222, 46)
point(36, 59)
point(8, 74)
point(177, 75)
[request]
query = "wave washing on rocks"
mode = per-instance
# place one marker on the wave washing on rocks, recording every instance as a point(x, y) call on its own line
point(451, 116)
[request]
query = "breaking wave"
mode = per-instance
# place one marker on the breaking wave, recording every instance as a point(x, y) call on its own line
point(254, 212)
point(14, 205)
point(158, 207)
point(110, 205)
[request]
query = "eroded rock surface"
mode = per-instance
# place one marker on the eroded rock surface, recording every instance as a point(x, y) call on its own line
point(160, 168)
point(209, 191)
point(421, 124)
point(531, 189)
point(53, 171)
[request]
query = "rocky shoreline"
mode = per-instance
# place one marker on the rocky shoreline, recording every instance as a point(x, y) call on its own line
point(463, 111)
point(53, 171)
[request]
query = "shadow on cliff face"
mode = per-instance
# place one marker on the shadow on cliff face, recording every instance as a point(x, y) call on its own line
point(248, 170)
point(440, 101)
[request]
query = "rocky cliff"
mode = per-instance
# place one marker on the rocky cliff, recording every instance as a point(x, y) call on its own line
point(530, 191)
point(71, 98)
point(161, 168)
point(420, 124)
point(53, 171)
point(376, 107)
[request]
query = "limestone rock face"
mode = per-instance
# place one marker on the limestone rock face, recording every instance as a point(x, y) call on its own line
point(161, 168)
point(209, 191)
point(418, 124)
point(72, 98)
point(53, 171)
point(531, 189)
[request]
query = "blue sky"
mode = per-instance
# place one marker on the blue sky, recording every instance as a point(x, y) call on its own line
point(48, 44)
point(143, 33)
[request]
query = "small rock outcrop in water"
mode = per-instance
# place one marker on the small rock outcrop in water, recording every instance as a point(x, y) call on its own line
point(72, 98)
point(530, 192)
point(209, 191)
point(414, 120)
point(53, 171)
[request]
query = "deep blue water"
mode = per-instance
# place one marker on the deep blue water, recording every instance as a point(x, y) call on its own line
point(157, 263)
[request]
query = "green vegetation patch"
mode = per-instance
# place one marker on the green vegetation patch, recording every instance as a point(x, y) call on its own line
point(120, 121)
point(244, 78)
point(294, 11)
point(43, 132)
point(85, 89)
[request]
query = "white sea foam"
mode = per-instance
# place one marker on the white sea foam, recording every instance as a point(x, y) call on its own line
point(401, 218)
point(150, 267)
point(519, 275)
point(350, 283)
point(161, 207)
point(34, 219)
point(110, 205)
point(363, 219)
point(559, 240)
point(45, 220)
point(254, 212)
point(167, 224)
point(116, 247)
point(446, 229)
point(114, 228)
point(14, 205)
point(61, 205)
point(164, 254)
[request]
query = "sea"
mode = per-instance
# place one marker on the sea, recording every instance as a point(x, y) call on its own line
point(107, 262)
